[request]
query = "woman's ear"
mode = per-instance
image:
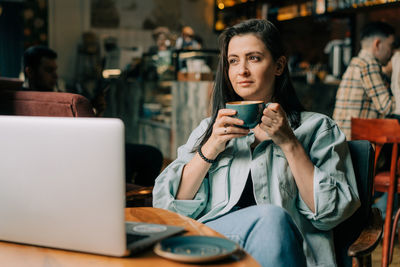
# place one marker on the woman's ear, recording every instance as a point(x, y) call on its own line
point(280, 65)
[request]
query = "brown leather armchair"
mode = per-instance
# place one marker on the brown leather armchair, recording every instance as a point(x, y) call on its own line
point(10, 83)
point(54, 104)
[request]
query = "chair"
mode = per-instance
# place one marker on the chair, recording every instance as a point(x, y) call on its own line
point(54, 104)
point(380, 132)
point(10, 83)
point(358, 236)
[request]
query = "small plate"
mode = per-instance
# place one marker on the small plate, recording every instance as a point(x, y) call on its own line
point(195, 248)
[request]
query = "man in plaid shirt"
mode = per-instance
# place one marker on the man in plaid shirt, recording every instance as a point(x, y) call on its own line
point(364, 91)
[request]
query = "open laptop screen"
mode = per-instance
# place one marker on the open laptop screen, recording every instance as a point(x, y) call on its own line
point(62, 183)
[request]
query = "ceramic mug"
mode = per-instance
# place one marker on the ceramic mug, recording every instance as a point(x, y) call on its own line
point(248, 111)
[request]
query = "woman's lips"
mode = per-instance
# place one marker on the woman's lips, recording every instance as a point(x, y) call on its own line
point(245, 83)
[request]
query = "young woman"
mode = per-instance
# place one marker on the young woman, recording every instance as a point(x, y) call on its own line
point(277, 189)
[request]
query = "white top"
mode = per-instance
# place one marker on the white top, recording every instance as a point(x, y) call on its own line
point(395, 85)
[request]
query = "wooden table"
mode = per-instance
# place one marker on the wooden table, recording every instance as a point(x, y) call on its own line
point(24, 255)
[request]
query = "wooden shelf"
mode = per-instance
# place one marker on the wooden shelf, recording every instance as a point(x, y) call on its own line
point(289, 10)
point(187, 77)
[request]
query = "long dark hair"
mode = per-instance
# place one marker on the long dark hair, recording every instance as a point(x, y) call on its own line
point(223, 92)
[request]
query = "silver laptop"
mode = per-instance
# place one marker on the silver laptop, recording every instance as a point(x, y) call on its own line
point(62, 185)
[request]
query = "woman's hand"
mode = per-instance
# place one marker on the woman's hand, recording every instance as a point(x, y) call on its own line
point(276, 125)
point(224, 129)
point(193, 173)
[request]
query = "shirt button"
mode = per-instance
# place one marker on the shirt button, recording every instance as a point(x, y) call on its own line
point(264, 197)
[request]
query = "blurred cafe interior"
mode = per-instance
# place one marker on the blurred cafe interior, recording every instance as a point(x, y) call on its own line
point(111, 46)
point(131, 53)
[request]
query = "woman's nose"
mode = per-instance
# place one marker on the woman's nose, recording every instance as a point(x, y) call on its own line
point(243, 69)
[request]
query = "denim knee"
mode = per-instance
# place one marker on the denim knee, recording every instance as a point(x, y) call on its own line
point(267, 232)
point(270, 210)
point(273, 237)
point(276, 219)
point(274, 215)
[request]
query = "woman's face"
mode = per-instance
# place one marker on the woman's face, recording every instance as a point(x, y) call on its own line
point(252, 69)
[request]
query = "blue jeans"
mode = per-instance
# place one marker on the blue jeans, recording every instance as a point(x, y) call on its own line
point(266, 232)
point(381, 203)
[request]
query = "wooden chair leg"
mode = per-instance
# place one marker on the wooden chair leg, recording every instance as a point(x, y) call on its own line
point(387, 234)
point(363, 261)
point(387, 230)
point(394, 228)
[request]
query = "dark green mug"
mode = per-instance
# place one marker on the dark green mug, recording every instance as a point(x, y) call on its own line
point(248, 111)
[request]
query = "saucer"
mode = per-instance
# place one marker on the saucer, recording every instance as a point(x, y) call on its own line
point(195, 248)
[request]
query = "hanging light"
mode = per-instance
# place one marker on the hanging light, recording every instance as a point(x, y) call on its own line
point(220, 4)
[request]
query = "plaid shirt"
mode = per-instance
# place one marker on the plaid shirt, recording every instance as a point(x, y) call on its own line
point(363, 93)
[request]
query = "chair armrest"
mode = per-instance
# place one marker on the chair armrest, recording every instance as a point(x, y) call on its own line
point(369, 237)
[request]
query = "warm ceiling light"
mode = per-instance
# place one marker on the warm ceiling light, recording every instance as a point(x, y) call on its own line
point(145, 191)
point(221, 6)
point(219, 25)
point(110, 73)
point(229, 3)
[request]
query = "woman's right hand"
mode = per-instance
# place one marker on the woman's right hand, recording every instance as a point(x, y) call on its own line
point(224, 129)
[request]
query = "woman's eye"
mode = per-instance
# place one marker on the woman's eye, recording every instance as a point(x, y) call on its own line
point(232, 61)
point(254, 58)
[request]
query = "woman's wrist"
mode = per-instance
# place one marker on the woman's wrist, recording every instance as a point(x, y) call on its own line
point(209, 151)
point(291, 147)
point(206, 159)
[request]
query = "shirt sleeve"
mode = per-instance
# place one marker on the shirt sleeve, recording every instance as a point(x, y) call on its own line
point(376, 88)
point(167, 183)
point(335, 189)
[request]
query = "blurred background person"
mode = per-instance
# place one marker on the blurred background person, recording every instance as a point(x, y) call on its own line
point(187, 39)
point(364, 90)
point(161, 37)
point(40, 69)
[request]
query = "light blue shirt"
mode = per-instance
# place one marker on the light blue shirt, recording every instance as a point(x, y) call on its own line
point(335, 189)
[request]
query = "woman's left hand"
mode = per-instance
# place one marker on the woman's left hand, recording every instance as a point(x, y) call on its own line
point(275, 123)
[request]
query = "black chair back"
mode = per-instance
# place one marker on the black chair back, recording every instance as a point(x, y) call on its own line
point(362, 155)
